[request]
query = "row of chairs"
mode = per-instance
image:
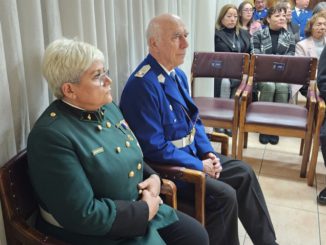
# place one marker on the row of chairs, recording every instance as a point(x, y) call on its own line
point(242, 114)
point(19, 204)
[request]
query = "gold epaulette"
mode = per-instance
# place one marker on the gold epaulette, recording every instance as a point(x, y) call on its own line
point(143, 71)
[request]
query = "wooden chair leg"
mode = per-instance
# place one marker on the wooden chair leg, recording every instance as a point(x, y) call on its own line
point(245, 144)
point(305, 156)
point(313, 162)
point(240, 145)
point(234, 142)
point(301, 147)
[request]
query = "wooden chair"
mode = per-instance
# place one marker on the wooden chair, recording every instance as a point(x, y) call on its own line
point(220, 112)
point(319, 118)
point(19, 205)
point(177, 173)
point(273, 118)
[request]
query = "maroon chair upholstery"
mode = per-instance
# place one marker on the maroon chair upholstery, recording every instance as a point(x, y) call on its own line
point(220, 112)
point(19, 205)
point(279, 118)
point(319, 118)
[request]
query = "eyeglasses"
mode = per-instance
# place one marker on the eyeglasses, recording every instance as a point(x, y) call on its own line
point(247, 10)
point(101, 77)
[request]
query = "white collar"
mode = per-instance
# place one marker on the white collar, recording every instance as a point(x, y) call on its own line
point(72, 105)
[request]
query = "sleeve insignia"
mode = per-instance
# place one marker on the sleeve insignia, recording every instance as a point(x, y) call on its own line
point(143, 71)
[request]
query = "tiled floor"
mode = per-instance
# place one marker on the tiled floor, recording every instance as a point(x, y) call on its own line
point(297, 218)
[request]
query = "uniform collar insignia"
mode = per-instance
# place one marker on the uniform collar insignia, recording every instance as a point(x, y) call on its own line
point(161, 78)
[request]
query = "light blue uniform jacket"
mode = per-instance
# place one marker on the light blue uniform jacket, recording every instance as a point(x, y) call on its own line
point(158, 113)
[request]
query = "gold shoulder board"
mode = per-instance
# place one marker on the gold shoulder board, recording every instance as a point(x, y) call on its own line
point(143, 71)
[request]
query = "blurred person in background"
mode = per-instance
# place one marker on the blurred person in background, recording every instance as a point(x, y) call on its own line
point(300, 15)
point(246, 20)
point(260, 11)
point(274, 39)
point(314, 42)
point(229, 37)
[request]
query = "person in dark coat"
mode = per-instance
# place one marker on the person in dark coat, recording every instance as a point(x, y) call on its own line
point(321, 83)
point(229, 37)
point(86, 166)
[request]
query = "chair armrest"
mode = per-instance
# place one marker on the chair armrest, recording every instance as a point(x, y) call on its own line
point(169, 190)
point(222, 138)
point(195, 177)
point(242, 86)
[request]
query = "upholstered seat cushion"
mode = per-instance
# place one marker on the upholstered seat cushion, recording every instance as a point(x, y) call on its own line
point(277, 114)
point(215, 108)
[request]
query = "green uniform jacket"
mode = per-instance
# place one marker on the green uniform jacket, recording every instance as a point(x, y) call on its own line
point(85, 167)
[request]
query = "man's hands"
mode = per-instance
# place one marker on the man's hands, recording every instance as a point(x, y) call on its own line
point(212, 165)
point(150, 190)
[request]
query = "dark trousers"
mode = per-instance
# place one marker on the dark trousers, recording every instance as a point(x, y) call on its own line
point(236, 194)
point(184, 232)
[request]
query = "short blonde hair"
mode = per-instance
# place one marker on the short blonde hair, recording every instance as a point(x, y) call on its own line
point(65, 60)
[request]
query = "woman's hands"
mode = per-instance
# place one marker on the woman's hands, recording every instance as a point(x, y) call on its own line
point(150, 190)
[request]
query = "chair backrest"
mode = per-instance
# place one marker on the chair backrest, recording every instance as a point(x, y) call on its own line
point(282, 68)
point(19, 204)
point(219, 65)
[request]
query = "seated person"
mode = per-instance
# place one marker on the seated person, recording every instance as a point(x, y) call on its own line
point(321, 83)
point(314, 42)
point(86, 166)
point(274, 39)
point(260, 11)
point(246, 18)
point(165, 120)
point(300, 15)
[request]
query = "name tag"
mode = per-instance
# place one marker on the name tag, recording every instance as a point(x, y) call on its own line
point(97, 151)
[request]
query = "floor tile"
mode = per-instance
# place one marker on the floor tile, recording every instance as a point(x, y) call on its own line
point(282, 164)
point(295, 227)
point(247, 241)
point(288, 193)
point(286, 144)
point(254, 156)
point(241, 230)
point(322, 223)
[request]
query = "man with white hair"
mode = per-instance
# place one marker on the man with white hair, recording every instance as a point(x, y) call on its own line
point(158, 108)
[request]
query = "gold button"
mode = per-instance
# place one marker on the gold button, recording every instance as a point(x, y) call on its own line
point(99, 127)
point(53, 114)
point(131, 174)
point(127, 143)
point(130, 137)
point(108, 124)
point(118, 149)
point(89, 117)
point(139, 166)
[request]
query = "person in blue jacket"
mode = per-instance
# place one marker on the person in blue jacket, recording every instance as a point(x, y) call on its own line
point(300, 15)
point(158, 108)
